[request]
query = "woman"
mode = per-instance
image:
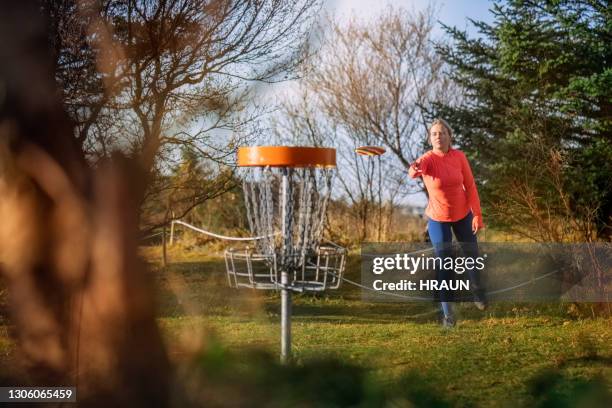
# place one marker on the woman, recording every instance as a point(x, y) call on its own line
point(454, 207)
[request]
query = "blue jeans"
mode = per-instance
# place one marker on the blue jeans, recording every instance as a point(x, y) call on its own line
point(440, 234)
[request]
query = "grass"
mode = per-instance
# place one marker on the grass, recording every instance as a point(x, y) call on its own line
point(489, 357)
point(513, 354)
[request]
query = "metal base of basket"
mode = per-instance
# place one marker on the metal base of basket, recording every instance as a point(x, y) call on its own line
point(314, 272)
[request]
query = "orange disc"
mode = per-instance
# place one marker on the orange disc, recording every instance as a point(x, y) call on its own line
point(287, 156)
point(370, 150)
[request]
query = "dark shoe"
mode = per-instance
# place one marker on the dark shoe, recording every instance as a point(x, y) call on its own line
point(448, 322)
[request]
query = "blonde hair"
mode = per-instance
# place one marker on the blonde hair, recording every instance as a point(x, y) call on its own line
point(439, 121)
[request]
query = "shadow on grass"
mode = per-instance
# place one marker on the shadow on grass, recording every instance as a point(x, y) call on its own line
point(255, 378)
point(218, 377)
point(552, 388)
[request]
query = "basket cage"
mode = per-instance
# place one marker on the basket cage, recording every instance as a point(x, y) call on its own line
point(286, 210)
point(317, 272)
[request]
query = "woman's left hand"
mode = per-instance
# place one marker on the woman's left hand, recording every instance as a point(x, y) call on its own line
point(476, 224)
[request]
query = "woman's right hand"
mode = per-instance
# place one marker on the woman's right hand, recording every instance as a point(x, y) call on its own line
point(415, 169)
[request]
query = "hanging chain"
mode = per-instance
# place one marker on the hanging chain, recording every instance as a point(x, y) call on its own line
point(300, 209)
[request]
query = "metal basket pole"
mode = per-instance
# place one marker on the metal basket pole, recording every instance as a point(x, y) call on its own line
point(285, 292)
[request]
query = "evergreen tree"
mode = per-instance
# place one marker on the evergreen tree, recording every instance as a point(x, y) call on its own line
point(536, 118)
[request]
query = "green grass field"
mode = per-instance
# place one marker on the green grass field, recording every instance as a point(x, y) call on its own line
point(516, 354)
point(492, 356)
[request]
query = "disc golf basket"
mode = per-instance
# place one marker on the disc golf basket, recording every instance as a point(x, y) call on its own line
point(286, 191)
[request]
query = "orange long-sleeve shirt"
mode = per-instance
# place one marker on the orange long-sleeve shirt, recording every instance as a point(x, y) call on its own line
point(450, 184)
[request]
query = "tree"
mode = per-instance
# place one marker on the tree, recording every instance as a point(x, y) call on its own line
point(84, 90)
point(80, 297)
point(70, 240)
point(377, 79)
point(370, 83)
point(537, 117)
point(188, 185)
point(154, 77)
point(360, 181)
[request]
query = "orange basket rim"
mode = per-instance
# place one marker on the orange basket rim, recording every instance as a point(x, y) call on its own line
point(286, 156)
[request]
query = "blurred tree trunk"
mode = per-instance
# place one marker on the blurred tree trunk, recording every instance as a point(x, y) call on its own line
point(80, 298)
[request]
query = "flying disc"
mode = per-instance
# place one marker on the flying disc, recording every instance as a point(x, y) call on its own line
point(370, 150)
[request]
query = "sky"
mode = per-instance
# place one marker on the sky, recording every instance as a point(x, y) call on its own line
point(452, 12)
